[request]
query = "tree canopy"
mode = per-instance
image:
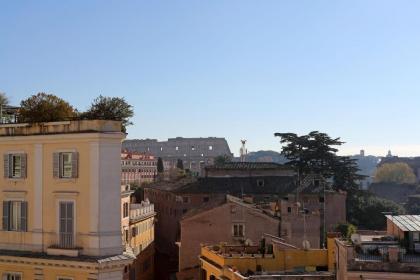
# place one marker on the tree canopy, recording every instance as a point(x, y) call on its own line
point(398, 172)
point(316, 153)
point(4, 100)
point(44, 107)
point(367, 211)
point(110, 108)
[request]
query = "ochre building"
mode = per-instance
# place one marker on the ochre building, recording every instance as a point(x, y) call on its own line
point(60, 195)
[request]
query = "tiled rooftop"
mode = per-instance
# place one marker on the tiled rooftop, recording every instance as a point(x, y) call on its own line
point(249, 165)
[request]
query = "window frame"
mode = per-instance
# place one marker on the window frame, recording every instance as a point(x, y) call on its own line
point(21, 221)
point(7, 274)
point(63, 165)
point(126, 211)
point(58, 166)
point(9, 162)
point(238, 230)
point(12, 160)
point(59, 219)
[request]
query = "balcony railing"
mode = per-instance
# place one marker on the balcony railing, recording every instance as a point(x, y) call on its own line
point(382, 255)
point(141, 210)
point(64, 240)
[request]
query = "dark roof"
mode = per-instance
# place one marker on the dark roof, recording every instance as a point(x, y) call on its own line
point(279, 185)
point(249, 165)
point(171, 185)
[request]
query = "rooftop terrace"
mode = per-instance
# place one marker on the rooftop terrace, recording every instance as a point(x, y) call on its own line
point(62, 127)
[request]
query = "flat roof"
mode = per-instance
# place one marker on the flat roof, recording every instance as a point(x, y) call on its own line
point(406, 222)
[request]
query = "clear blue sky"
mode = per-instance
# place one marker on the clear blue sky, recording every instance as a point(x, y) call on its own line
point(238, 69)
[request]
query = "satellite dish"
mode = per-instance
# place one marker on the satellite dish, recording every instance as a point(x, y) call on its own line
point(248, 242)
point(306, 245)
point(355, 238)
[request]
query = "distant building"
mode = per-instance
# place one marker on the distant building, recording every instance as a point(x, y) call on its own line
point(137, 226)
point(376, 257)
point(248, 169)
point(267, 185)
point(194, 152)
point(234, 222)
point(137, 168)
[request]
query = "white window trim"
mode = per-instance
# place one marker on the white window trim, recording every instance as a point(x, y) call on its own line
point(58, 216)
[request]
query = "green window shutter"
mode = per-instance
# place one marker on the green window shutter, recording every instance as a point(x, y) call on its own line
point(6, 208)
point(6, 163)
point(23, 165)
point(24, 216)
point(75, 164)
point(56, 165)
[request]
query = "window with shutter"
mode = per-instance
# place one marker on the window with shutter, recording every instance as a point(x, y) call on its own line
point(6, 207)
point(66, 224)
point(15, 216)
point(23, 165)
point(56, 165)
point(6, 166)
point(15, 166)
point(65, 165)
point(75, 165)
point(24, 216)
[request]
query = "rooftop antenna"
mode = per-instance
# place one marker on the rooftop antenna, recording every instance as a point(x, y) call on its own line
point(243, 151)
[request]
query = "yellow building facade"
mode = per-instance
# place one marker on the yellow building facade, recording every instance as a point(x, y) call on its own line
point(235, 262)
point(138, 230)
point(60, 198)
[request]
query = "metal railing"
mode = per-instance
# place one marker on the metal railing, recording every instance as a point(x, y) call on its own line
point(377, 254)
point(382, 255)
point(64, 240)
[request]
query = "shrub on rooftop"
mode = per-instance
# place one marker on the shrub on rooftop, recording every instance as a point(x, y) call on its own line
point(110, 108)
point(43, 107)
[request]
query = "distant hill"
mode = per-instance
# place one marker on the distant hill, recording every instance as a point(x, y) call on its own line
point(265, 156)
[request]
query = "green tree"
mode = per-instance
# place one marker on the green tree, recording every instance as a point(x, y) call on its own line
point(399, 173)
point(4, 100)
point(316, 153)
point(44, 107)
point(160, 168)
point(312, 153)
point(110, 108)
point(346, 229)
point(221, 160)
point(413, 205)
point(346, 175)
point(366, 211)
point(180, 164)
